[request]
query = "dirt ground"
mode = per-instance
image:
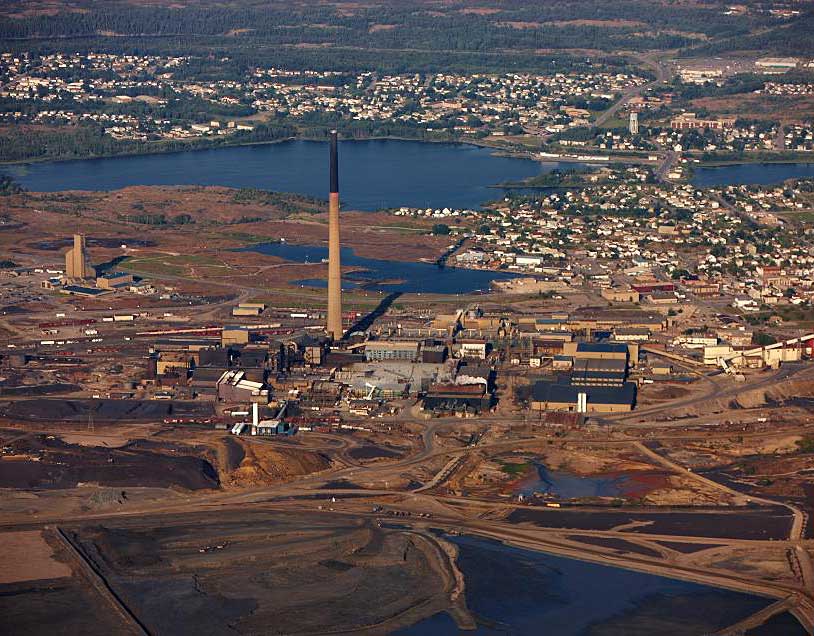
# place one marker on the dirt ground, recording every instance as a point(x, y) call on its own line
point(247, 571)
point(502, 474)
point(261, 464)
point(219, 221)
point(26, 556)
point(787, 109)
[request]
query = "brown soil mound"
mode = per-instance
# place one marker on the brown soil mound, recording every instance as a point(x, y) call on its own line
point(777, 393)
point(263, 465)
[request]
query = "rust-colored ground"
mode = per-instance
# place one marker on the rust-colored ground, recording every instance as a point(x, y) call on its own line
point(218, 220)
point(785, 108)
point(25, 556)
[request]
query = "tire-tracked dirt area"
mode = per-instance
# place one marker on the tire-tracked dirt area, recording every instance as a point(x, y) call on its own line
point(242, 572)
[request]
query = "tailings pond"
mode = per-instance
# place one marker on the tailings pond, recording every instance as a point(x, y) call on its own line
point(516, 591)
point(567, 485)
point(387, 276)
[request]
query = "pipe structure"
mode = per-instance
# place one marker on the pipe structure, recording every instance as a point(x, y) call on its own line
point(334, 326)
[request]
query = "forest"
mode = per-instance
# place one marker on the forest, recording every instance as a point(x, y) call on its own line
point(30, 143)
point(407, 25)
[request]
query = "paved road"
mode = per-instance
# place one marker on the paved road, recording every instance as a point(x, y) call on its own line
point(661, 75)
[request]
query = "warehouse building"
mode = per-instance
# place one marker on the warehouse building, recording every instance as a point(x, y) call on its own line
point(591, 372)
point(248, 309)
point(234, 335)
point(204, 382)
point(457, 399)
point(631, 334)
point(177, 361)
point(233, 386)
point(396, 378)
point(565, 396)
point(406, 351)
point(601, 351)
point(114, 280)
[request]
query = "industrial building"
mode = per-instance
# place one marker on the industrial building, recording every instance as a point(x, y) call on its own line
point(600, 350)
point(114, 280)
point(81, 290)
point(469, 374)
point(234, 335)
point(592, 320)
point(562, 395)
point(456, 398)
point(777, 64)
point(690, 121)
point(633, 124)
point(76, 267)
point(752, 357)
point(387, 350)
point(471, 349)
point(235, 387)
point(248, 309)
point(593, 372)
point(394, 379)
point(619, 295)
point(597, 382)
point(631, 334)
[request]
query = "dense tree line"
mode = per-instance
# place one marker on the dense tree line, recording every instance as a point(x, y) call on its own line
point(636, 24)
point(787, 39)
point(741, 83)
point(68, 142)
point(8, 186)
point(157, 219)
point(245, 53)
point(307, 21)
point(178, 107)
point(283, 201)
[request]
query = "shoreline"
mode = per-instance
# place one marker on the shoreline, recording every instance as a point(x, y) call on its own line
point(753, 162)
point(467, 142)
point(495, 148)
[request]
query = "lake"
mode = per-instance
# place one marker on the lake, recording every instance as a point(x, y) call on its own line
point(757, 173)
point(514, 591)
point(387, 276)
point(373, 174)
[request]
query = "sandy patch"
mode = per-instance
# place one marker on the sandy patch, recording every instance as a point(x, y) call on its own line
point(25, 556)
point(481, 10)
point(599, 23)
point(91, 439)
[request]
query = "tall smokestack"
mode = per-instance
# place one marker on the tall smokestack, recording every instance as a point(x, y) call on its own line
point(334, 326)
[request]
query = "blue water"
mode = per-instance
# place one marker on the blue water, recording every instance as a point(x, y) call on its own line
point(745, 173)
point(570, 486)
point(516, 591)
point(373, 174)
point(387, 276)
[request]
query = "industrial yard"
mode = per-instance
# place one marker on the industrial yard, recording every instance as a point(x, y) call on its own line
point(190, 426)
point(192, 450)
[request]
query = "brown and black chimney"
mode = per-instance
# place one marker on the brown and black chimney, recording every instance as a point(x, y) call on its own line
point(334, 326)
